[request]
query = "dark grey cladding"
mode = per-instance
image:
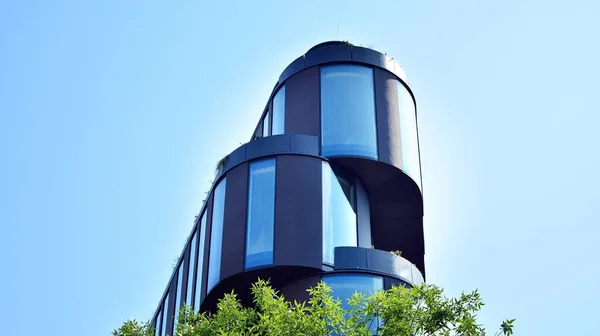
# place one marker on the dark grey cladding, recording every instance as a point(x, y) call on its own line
point(299, 144)
point(336, 52)
point(330, 52)
point(374, 261)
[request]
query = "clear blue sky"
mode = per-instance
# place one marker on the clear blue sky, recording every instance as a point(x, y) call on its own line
point(113, 114)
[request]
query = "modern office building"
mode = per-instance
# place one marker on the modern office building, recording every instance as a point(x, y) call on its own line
point(327, 186)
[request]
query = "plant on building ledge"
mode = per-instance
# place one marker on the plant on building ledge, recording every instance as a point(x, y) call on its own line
point(221, 163)
point(397, 252)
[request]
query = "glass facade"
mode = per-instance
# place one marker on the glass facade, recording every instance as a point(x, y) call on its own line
point(343, 286)
point(348, 111)
point(200, 267)
point(191, 269)
point(261, 213)
point(408, 134)
point(165, 313)
point(179, 290)
point(216, 236)
point(339, 213)
point(279, 112)
point(157, 324)
point(348, 127)
point(266, 126)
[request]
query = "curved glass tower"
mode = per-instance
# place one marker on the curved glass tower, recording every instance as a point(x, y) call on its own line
point(328, 185)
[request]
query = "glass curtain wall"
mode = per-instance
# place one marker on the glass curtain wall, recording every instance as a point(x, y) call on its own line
point(165, 313)
point(200, 267)
point(179, 290)
point(339, 213)
point(216, 236)
point(266, 126)
point(158, 324)
point(348, 111)
point(408, 134)
point(343, 286)
point(261, 213)
point(279, 112)
point(191, 269)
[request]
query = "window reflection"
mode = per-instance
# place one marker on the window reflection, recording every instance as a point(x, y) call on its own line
point(339, 213)
point(179, 290)
point(191, 269)
point(200, 267)
point(279, 112)
point(165, 313)
point(266, 126)
point(158, 323)
point(216, 236)
point(408, 135)
point(261, 213)
point(348, 111)
point(343, 286)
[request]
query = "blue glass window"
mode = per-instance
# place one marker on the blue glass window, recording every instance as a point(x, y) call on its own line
point(165, 313)
point(261, 213)
point(339, 214)
point(343, 286)
point(191, 269)
point(216, 236)
point(348, 111)
point(157, 324)
point(200, 267)
point(266, 128)
point(179, 290)
point(408, 135)
point(279, 112)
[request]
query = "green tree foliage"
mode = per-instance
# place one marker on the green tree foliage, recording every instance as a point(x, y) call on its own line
point(400, 311)
point(134, 328)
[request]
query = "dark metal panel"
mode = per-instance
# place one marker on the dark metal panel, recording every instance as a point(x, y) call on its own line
point(363, 217)
point(235, 158)
point(396, 207)
point(298, 289)
point(267, 146)
point(298, 215)
point(304, 144)
point(350, 258)
point(390, 64)
point(302, 103)
point(337, 52)
point(405, 234)
point(370, 56)
point(234, 221)
point(389, 282)
point(388, 123)
point(296, 66)
point(380, 261)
